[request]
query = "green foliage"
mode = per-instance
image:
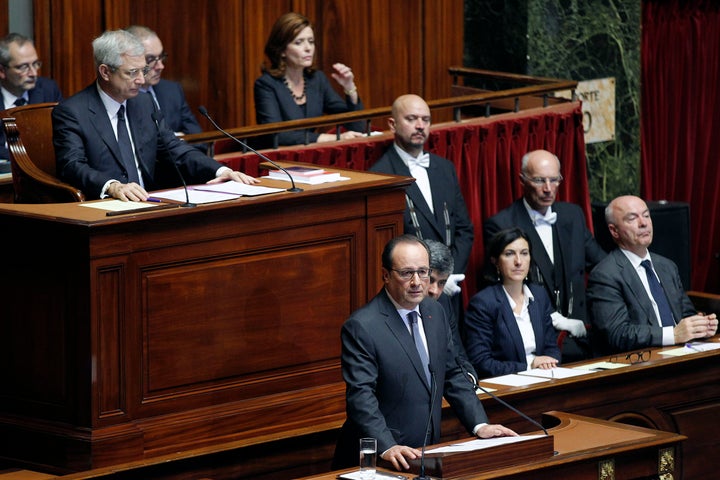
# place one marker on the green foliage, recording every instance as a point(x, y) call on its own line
point(581, 40)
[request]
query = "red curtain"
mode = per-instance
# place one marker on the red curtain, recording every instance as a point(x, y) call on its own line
point(486, 153)
point(680, 158)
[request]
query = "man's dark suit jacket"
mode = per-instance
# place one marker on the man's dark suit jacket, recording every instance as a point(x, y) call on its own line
point(494, 343)
point(175, 109)
point(274, 103)
point(445, 190)
point(46, 90)
point(578, 249)
point(88, 155)
point(621, 312)
point(387, 394)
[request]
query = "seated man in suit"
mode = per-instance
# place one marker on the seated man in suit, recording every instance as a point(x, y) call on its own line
point(398, 363)
point(636, 299)
point(21, 84)
point(106, 141)
point(168, 96)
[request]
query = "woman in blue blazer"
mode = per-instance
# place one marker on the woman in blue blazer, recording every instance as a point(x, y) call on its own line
point(508, 324)
point(291, 89)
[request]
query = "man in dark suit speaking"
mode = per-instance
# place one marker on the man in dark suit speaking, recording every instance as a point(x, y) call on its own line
point(636, 298)
point(106, 141)
point(398, 362)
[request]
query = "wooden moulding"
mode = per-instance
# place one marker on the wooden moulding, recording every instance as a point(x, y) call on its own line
point(457, 464)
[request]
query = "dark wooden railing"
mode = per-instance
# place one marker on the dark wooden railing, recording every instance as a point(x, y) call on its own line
point(532, 92)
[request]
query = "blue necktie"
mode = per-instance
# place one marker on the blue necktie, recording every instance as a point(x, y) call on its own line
point(125, 145)
point(415, 332)
point(666, 316)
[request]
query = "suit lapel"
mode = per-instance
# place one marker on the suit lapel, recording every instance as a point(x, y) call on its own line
point(99, 118)
point(633, 282)
point(508, 318)
point(666, 280)
point(414, 193)
point(539, 255)
point(399, 329)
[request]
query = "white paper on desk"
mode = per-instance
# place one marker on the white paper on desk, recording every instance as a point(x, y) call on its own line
point(514, 380)
point(557, 372)
point(118, 205)
point(237, 188)
point(601, 366)
point(482, 443)
point(196, 196)
point(690, 348)
point(315, 181)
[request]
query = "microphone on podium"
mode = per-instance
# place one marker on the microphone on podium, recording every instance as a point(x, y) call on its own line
point(203, 111)
point(476, 385)
point(433, 390)
point(157, 118)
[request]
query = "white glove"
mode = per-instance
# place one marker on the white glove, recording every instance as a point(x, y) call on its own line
point(572, 325)
point(451, 286)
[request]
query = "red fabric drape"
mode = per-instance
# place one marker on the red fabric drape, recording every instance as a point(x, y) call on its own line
point(486, 153)
point(680, 115)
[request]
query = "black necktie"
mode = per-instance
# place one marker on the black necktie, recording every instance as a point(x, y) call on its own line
point(666, 316)
point(20, 102)
point(415, 332)
point(126, 151)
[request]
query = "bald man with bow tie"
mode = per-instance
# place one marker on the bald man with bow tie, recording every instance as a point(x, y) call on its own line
point(435, 208)
point(563, 248)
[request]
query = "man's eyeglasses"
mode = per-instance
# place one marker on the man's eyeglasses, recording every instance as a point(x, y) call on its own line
point(133, 73)
point(25, 67)
point(422, 273)
point(151, 60)
point(632, 358)
point(540, 181)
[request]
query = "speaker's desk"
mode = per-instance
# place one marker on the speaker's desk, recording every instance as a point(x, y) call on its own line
point(677, 394)
point(137, 335)
point(586, 448)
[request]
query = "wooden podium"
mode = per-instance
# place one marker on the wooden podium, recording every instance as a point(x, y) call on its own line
point(139, 335)
point(585, 449)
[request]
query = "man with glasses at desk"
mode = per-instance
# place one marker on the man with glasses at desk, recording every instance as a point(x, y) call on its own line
point(563, 248)
point(167, 95)
point(636, 298)
point(21, 84)
point(106, 141)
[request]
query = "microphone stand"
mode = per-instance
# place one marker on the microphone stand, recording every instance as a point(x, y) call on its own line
point(476, 386)
point(203, 111)
point(187, 203)
point(433, 391)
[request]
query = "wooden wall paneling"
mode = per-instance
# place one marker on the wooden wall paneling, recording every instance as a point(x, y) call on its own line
point(260, 16)
point(73, 26)
point(443, 47)
point(216, 48)
point(116, 14)
point(4, 16)
point(394, 49)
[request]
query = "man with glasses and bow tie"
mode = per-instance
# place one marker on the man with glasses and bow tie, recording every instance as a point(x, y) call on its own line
point(106, 141)
point(636, 297)
point(20, 79)
point(563, 248)
point(435, 208)
point(168, 96)
point(398, 361)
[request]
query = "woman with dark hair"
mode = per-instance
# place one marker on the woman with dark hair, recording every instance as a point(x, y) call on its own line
point(508, 324)
point(291, 89)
